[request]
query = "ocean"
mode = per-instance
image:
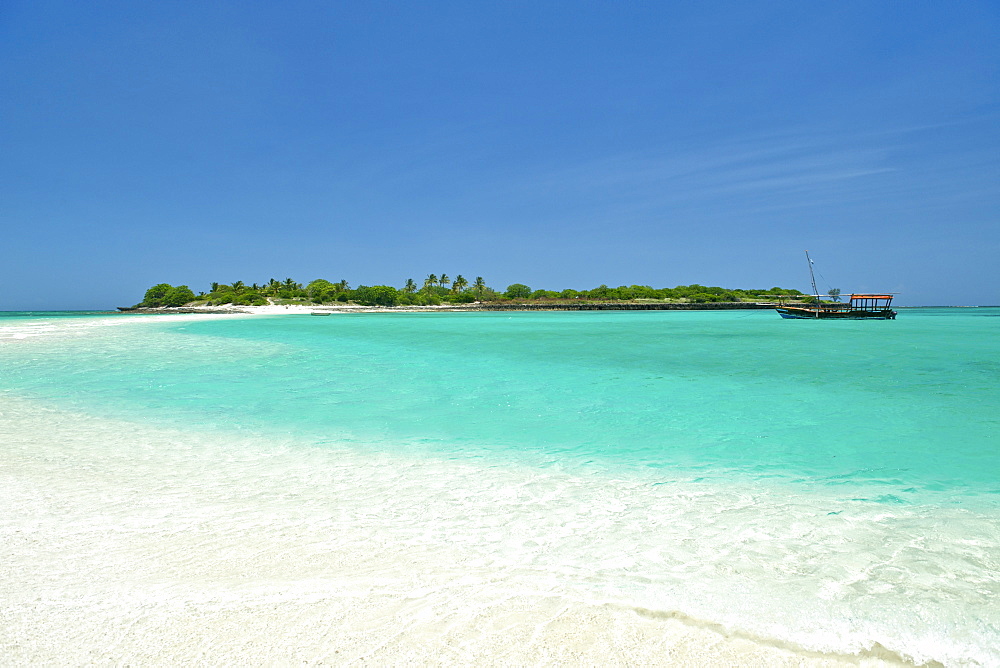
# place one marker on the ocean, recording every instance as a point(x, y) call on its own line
point(703, 487)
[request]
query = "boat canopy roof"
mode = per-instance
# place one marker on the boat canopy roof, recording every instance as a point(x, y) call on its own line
point(867, 296)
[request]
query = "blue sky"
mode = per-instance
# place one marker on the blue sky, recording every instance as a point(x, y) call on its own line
point(557, 144)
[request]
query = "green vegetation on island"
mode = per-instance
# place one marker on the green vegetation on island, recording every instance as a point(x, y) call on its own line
point(436, 290)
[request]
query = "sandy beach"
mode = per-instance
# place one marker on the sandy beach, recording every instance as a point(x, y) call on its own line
point(293, 309)
point(149, 553)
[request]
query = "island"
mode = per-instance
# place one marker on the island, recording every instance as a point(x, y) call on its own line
point(440, 291)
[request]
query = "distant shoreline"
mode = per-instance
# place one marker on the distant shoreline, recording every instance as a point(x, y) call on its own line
point(302, 309)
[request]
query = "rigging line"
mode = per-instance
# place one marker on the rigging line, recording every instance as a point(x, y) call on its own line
point(828, 286)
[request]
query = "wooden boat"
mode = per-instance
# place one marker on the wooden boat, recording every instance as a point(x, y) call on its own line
point(861, 306)
point(320, 313)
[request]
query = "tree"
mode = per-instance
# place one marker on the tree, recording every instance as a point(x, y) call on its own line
point(834, 294)
point(517, 291)
point(444, 281)
point(178, 296)
point(380, 295)
point(321, 290)
point(410, 286)
point(156, 294)
point(431, 280)
point(600, 292)
point(459, 284)
point(706, 297)
point(479, 287)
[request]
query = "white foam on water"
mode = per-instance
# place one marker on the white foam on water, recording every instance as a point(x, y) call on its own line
point(124, 543)
point(19, 328)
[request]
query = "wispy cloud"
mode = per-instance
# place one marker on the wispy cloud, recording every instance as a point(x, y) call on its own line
point(775, 167)
point(779, 173)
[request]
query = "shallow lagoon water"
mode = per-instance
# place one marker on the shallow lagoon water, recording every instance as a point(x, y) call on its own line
point(813, 486)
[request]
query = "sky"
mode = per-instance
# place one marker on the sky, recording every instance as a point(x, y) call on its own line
point(556, 144)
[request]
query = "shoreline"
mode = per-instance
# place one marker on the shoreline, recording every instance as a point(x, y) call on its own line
point(325, 309)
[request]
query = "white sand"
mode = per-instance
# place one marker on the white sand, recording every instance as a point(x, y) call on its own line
point(304, 309)
point(123, 544)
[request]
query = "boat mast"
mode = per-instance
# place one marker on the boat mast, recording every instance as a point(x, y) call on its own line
point(812, 277)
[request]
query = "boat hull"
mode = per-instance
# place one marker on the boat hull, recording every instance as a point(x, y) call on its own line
point(799, 313)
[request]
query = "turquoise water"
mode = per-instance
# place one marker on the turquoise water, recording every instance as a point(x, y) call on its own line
point(893, 423)
point(909, 405)
point(11, 316)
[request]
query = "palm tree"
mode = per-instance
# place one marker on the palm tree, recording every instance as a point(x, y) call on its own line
point(290, 284)
point(429, 281)
point(273, 287)
point(444, 280)
point(410, 286)
point(238, 286)
point(459, 284)
point(479, 287)
point(214, 287)
point(343, 285)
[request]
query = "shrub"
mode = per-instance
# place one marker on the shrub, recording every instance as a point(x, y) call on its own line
point(178, 296)
point(517, 291)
